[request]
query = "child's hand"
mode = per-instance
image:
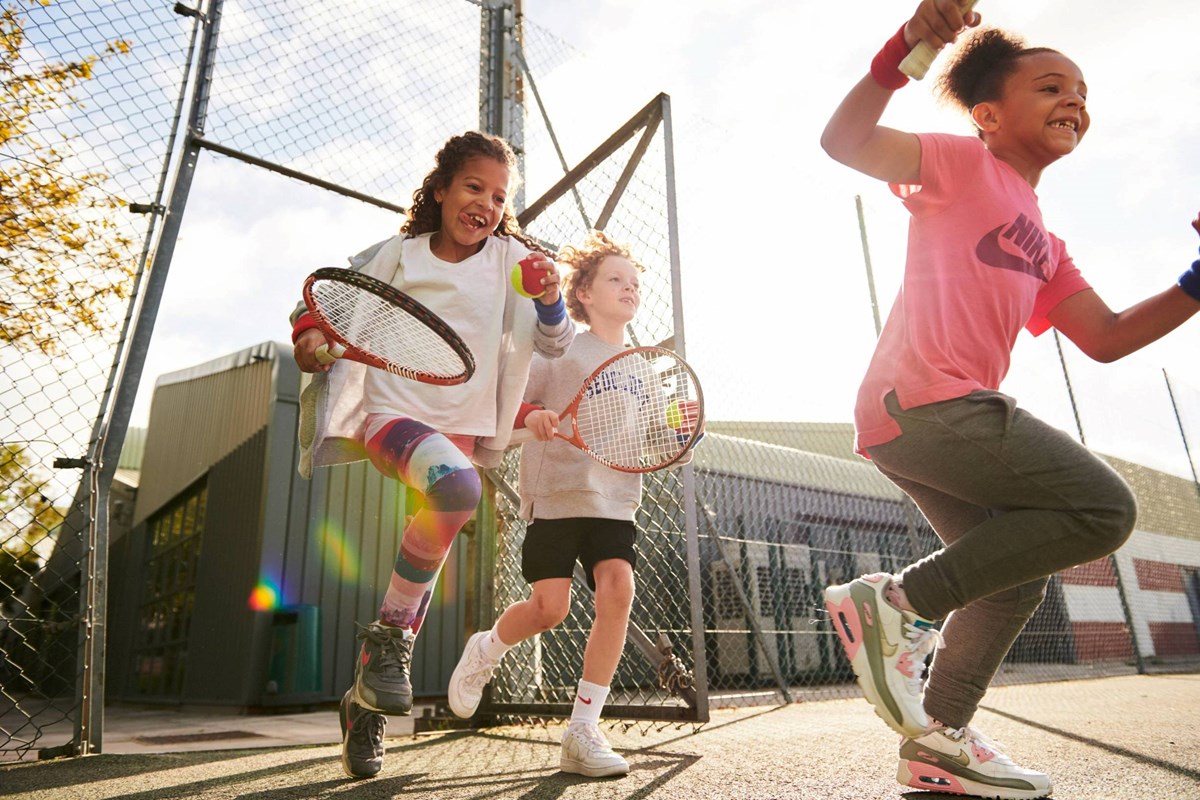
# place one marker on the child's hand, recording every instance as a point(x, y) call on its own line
point(549, 279)
point(305, 351)
point(543, 423)
point(1196, 223)
point(938, 23)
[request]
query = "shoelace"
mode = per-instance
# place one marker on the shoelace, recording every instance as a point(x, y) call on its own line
point(921, 642)
point(479, 672)
point(592, 735)
point(370, 725)
point(967, 735)
point(395, 649)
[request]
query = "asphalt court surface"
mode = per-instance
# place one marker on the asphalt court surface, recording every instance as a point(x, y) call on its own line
point(1123, 737)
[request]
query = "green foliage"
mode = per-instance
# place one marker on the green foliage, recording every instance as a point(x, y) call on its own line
point(63, 257)
point(27, 518)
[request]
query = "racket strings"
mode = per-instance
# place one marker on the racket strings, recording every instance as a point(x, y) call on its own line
point(377, 326)
point(638, 413)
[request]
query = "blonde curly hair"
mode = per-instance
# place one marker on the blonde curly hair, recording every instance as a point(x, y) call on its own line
point(584, 260)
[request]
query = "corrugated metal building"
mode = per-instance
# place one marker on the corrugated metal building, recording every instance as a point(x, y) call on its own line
point(240, 583)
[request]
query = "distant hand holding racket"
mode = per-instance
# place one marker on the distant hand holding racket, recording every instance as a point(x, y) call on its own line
point(376, 324)
point(639, 411)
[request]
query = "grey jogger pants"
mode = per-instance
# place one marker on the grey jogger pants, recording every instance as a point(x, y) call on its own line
point(1014, 500)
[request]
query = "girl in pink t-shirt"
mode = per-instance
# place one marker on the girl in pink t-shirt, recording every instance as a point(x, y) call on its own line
point(1013, 499)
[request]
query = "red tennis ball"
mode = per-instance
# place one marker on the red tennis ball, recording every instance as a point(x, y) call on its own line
point(527, 278)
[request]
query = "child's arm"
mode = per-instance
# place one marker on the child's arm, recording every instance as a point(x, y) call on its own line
point(1105, 336)
point(854, 136)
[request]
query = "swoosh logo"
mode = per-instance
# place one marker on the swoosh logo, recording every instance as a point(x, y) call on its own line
point(962, 759)
point(587, 701)
point(989, 252)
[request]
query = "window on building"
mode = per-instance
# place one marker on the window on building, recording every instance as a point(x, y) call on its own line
point(174, 536)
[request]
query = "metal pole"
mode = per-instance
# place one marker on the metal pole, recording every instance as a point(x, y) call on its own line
point(862, 235)
point(691, 532)
point(1182, 432)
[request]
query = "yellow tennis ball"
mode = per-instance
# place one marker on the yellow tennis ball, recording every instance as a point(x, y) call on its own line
point(674, 415)
point(527, 277)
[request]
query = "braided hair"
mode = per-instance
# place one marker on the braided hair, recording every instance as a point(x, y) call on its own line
point(980, 66)
point(425, 213)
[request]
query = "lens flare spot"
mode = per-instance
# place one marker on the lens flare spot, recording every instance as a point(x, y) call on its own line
point(264, 596)
point(341, 559)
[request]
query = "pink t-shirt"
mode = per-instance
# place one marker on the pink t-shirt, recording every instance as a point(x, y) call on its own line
point(980, 266)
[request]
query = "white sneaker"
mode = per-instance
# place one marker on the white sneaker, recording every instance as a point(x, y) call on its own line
point(887, 649)
point(585, 751)
point(964, 761)
point(473, 672)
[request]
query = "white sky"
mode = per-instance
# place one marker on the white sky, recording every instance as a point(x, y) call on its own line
point(776, 305)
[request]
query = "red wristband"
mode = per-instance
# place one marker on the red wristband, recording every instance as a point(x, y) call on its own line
point(305, 322)
point(885, 67)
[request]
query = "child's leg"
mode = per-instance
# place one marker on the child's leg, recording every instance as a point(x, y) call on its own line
point(608, 558)
point(545, 608)
point(614, 597)
point(978, 636)
point(432, 464)
point(1052, 504)
point(548, 557)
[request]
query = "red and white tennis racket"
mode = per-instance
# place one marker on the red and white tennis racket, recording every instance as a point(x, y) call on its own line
point(639, 411)
point(916, 64)
point(376, 324)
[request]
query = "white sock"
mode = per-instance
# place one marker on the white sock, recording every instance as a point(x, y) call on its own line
point(493, 647)
point(589, 702)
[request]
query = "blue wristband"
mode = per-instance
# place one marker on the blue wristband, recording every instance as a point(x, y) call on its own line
point(1190, 281)
point(553, 314)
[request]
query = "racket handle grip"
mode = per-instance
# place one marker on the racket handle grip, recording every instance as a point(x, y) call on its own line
point(916, 64)
point(329, 353)
point(521, 436)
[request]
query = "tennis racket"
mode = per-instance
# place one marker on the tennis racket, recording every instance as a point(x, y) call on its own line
point(376, 324)
point(639, 411)
point(919, 59)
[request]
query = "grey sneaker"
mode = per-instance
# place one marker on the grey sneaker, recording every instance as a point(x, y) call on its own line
point(381, 673)
point(362, 738)
point(585, 751)
point(470, 676)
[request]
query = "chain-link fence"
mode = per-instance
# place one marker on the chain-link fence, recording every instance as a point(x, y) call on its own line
point(355, 98)
point(90, 93)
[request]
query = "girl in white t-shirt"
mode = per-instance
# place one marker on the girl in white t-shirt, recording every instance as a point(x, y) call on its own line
point(1013, 499)
point(455, 254)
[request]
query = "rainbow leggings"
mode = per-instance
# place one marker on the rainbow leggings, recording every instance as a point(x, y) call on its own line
point(439, 467)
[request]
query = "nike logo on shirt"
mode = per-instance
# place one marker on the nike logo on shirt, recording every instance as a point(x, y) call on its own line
point(1027, 236)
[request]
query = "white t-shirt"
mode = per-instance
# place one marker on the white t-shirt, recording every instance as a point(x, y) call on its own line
point(469, 296)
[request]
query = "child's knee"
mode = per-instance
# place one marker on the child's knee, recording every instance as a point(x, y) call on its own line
point(1114, 520)
point(614, 588)
point(550, 610)
point(457, 490)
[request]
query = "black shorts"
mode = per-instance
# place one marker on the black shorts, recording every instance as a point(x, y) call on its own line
point(553, 545)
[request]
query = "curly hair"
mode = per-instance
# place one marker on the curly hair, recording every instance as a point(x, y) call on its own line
point(980, 66)
point(584, 260)
point(425, 213)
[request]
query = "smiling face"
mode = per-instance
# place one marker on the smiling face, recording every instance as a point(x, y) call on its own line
point(1042, 114)
point(614, 294)
point(472, 207)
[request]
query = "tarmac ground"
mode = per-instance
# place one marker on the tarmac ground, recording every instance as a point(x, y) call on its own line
point(1125, 738)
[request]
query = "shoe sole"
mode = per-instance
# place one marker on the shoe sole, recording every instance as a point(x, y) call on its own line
point(461, 710)
point(930, 778)
point(579, 768)
point(844, 611)
point(399, 707)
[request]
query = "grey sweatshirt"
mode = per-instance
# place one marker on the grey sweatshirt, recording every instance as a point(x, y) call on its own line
point(559, 480)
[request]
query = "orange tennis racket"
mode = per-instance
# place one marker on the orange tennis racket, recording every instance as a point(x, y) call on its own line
point(639, 411)
point(376, 324)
